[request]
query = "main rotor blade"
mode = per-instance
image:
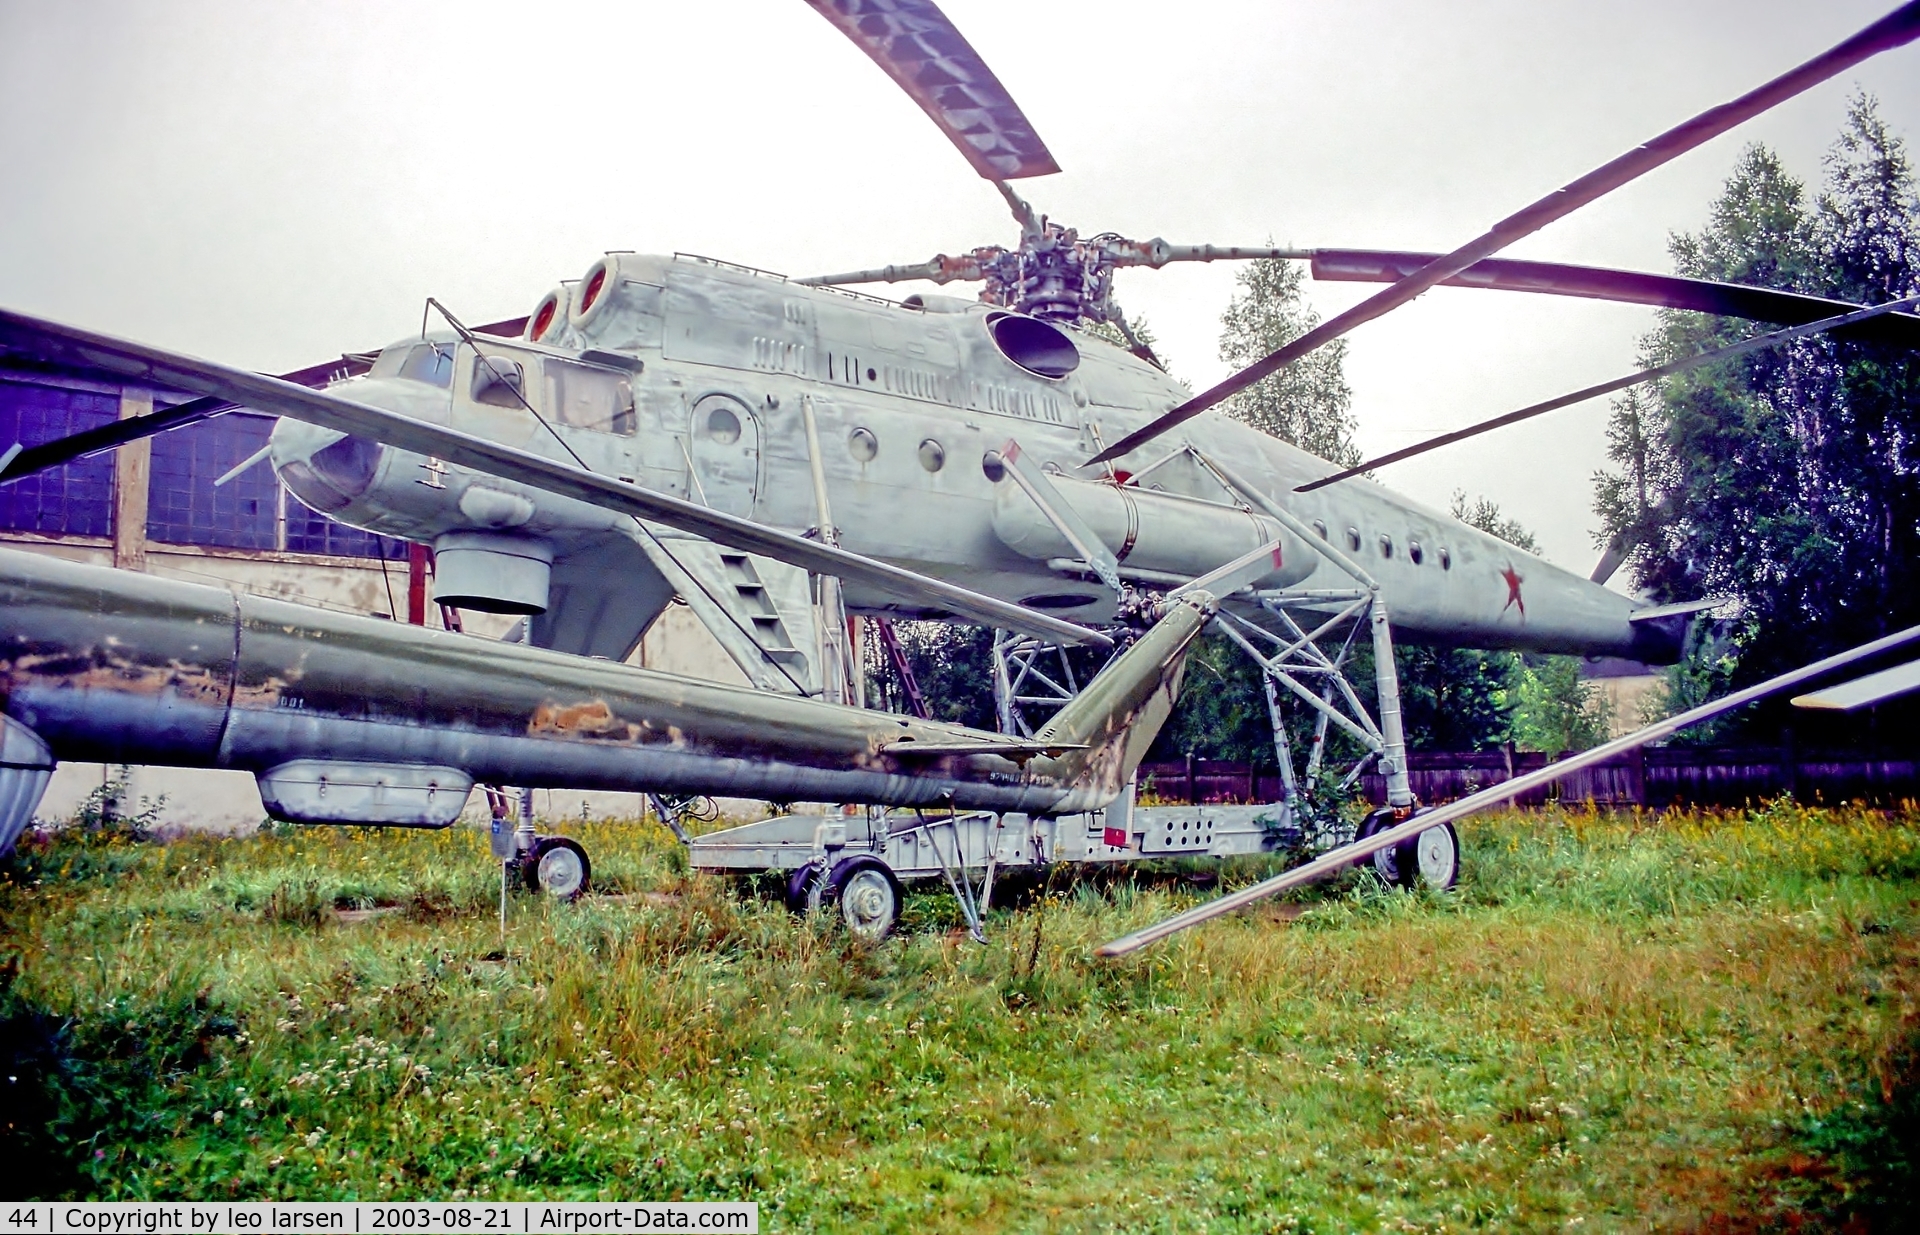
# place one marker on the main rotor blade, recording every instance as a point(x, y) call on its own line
point(938, 269)
point(922, 50)
point(1336, 860)
point(1762, 304)
point(69, 345)
point(1683, 365)
point(118, 433)
point(1897, 28)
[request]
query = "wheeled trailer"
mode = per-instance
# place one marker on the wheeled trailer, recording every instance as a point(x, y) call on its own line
point(856, 863)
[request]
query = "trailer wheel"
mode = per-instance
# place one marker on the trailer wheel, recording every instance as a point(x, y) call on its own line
point(868, 895)
point(558, 866)
point(803, 885)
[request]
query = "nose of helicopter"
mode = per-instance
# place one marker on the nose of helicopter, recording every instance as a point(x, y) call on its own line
point(325, 468)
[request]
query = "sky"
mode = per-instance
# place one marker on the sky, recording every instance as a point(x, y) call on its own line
point(271, 184)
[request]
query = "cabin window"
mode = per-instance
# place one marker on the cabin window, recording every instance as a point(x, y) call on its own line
point(863, 445)
point(1320, 526)
point(1415, 553)
point(1386, 545)
point(722, 425)
point(1353, 539)
point(1446, 560)
point(933, 456)
point(497, 381)
point(587, 397)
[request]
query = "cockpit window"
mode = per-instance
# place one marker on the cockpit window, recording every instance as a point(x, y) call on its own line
point(431, 363)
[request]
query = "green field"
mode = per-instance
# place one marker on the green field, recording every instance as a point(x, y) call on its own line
point(1693, 1022)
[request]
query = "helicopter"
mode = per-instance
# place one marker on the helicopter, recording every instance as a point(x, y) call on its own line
point(654, 430)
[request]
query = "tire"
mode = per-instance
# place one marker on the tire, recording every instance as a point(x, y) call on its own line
point(1385, 863)
point(1430, 859)
point(867, 894)
point(800, 886)
point(558, 866)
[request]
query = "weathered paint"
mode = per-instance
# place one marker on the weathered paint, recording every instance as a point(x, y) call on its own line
point(115, 667)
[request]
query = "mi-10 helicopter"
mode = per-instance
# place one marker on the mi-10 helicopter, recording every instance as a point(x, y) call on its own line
point(661, 427)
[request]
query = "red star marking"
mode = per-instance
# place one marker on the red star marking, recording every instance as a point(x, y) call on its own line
point(1514, 599)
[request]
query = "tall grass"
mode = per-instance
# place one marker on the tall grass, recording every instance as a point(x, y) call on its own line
point(1703, 1019)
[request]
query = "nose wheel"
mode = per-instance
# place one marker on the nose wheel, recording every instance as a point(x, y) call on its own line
point(557, 866)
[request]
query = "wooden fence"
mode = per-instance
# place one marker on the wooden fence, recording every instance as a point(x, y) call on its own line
point(1656, 777)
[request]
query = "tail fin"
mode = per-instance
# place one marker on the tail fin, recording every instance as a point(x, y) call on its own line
point(1118, 715)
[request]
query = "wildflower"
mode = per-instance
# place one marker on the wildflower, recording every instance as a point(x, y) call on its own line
point(219, 1117)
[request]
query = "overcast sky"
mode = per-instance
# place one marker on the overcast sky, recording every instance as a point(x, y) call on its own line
point(271, 184)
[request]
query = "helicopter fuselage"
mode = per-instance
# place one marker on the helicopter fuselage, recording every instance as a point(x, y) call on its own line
point(697, 378)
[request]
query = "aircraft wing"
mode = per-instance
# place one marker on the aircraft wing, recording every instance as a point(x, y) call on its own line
point(53, 343)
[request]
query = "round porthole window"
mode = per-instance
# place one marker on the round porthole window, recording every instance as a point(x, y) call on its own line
point(863, 445)
point(1415, 553)
point(1320, 527)
point(723, 426)
point(993, 467)
point(1386, 545)
point(1353, 539)
point(1446, 560)
point(933, 456)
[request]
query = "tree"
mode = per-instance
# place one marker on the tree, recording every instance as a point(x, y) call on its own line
point(953, 665)
point(1308, 403)
point(1789, 479)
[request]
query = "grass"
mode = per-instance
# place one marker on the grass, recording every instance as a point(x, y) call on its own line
point(1702, 1021)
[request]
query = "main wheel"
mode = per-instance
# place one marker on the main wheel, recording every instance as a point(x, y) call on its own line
point(1385, 862)
point(1431, 859)
point(868, 896)
point(559, 867)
